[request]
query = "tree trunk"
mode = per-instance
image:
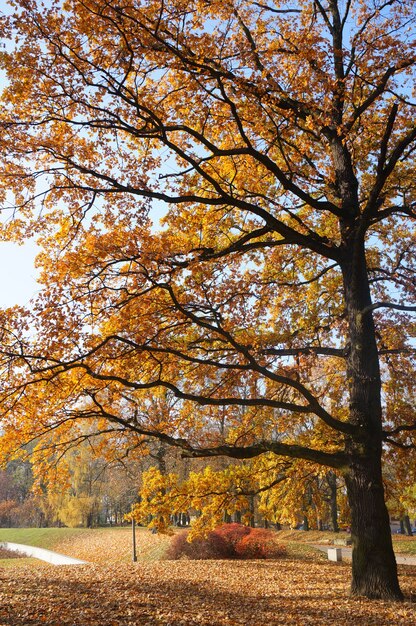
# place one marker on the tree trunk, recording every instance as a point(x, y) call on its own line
point(252, 512)
point(331, 479)
point(374, 570)
point(408, 526)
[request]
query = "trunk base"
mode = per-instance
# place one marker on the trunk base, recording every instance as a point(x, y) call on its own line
point(374, 569)
point(376, 588)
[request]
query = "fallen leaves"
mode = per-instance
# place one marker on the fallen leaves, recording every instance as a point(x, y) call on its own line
point(104, 545)
point(190, 593)
point(115, 592)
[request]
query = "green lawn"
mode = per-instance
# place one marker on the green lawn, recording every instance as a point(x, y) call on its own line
point(404, 545)
point(97, 545)
point(298, 540)
point(40, 537)
point(114, 544)
point(49, 537)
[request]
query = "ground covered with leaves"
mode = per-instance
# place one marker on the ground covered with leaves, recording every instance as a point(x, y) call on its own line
point(188, 593)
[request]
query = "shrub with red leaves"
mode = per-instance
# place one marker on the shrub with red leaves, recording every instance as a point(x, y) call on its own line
point(229, 541)
point(259, 544)
point(211, 547)
point(232, 534)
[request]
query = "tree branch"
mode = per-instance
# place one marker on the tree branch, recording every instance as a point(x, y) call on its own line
point(387, 305)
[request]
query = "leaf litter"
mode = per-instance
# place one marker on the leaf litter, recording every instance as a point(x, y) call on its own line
point(190, 593)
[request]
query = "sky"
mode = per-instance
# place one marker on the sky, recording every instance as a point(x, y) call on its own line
point(17, 270)
point(17, 273)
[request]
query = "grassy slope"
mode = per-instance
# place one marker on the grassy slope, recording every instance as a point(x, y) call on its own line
point(39, 537)
point(401, 543)
point(112, 545)
point(98, 545)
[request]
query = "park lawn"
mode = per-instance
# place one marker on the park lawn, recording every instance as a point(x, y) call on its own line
point(298, 540)
point(110, 545)
point(114, 545)
point(40, 537)
point(97, 545)
point(283, 592)
point(303, 588)
point(404, 545)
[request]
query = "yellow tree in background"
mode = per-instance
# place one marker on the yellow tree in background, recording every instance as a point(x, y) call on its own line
point(275, 301)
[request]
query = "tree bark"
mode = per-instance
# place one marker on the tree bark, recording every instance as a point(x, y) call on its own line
point(331, 479)
point(408, 526)
point(374, 569)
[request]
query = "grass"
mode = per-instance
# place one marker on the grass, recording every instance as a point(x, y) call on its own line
point(298, 538)
point(404, 545)
point(97, 545)
point(112, 545)
point(303, 588)
point(310, 536)
point(40, 537)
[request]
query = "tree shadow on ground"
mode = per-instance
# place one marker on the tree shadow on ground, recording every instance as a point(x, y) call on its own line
point(221, 596)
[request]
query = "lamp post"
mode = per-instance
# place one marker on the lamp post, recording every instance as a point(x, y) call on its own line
point(133, 529)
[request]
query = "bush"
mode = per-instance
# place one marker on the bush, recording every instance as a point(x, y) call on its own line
point(232, 534)
point(259, 544)
point(229, 541)
point(211, 547)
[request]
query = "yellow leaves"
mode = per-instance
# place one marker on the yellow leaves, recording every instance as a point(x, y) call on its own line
point(285, 489)
point(210, 493)
point(157, 500)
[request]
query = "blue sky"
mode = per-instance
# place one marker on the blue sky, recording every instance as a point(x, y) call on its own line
point(17, 273)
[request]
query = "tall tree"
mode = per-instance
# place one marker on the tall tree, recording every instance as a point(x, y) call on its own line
point(280, 137)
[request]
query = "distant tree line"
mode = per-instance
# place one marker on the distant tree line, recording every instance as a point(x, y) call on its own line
point(87, 490)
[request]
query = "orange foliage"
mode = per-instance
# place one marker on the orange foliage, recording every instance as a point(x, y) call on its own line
point(270, 313)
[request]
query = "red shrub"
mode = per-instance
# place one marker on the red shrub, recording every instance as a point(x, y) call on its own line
point(229, 541)
point(259, 544)
point(211, 547)
point(232, 534)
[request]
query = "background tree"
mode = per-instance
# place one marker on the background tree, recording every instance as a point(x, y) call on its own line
point(281, 138)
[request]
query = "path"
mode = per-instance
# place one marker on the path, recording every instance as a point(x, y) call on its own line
point(42, 554)
point(401, 559)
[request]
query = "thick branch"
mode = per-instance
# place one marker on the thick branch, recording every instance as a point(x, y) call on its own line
point(337, 460)
point(388, 305)
point(317, 350)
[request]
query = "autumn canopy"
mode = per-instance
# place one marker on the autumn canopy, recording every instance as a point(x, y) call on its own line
point(273, 309)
